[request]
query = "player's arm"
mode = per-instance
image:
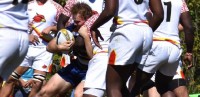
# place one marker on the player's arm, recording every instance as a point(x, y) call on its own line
point(186, 22)
point(48, 29)
point(83, 31)
point(109, 11)
point(63, 19)
point(158, 14)
point(111, 7)
point(65, 16)
point(53, 47)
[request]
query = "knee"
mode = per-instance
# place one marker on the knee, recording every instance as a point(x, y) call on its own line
point(46, 91)
point(38, 80)
point(41, 93)
point(36, 84)
point(10, 81)
point(78, 93)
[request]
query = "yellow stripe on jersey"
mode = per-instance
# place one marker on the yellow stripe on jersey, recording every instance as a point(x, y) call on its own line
point(166, 39)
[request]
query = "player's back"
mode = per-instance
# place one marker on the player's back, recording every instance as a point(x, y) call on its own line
point(13, 15)
point(132, 11)
point(169, 26)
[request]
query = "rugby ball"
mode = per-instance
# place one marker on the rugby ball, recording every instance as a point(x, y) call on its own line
point(64, 35)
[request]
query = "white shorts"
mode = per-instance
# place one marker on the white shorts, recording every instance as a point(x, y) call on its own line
point(96, 74)
point(38, 58)
point(13, 48)
point(164, 56)
point(130, 44)
point(179, 73)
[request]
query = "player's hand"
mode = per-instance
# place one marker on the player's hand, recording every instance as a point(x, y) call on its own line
point(83, 31)
point(187, 60)
point(47, 30)
point(22, 82)
point(29, 83)
point(65, 45)
point(95, 34)
point(33, 39)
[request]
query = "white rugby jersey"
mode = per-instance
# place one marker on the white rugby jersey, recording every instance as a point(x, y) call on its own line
point(169, 26)
point(42, 16)
point(132, 11)
point(13, 16)
point(96, 5)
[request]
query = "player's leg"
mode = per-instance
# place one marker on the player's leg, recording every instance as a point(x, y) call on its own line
point(162, 82)
point(116, 79)
point(151, 92)
point(178, 87)
point(42, 60)
point(38, 78)
point(167, 71)
point(12, 52)
point(124, 59)
point(141, 79)
point(149, 89)
point(55, 86)
point(1, 83)
point(181, 91)
point(131, 81)
point(78, 92)
point(178, 84)
point(12, 80)
point(95, 77)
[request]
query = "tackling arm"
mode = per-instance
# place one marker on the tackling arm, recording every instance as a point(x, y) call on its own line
point(158, 14)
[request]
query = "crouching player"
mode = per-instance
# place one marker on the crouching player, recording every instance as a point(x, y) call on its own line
point(70, 76)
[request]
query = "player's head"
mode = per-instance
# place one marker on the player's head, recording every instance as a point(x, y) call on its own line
point(81, 12)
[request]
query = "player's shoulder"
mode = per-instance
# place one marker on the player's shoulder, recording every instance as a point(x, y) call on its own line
point(57, 5)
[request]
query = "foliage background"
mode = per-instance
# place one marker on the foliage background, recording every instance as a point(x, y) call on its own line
point(193, 74)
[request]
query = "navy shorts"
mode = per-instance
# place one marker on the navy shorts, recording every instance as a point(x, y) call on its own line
point(73, 73)
point(172, 85)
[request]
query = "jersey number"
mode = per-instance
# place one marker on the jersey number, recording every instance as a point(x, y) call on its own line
point(169, 8)
point(138, 1)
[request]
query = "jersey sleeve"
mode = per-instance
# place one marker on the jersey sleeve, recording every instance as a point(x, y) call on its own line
point(91, 20)
point(69, 4)
point(59, 9)
point(184, 7)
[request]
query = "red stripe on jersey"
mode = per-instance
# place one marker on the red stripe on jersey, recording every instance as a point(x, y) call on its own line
point(184, 7)
point(69, 4)
point(90, 21)
point(112, 58)
point(182, 74)
point(59, 9)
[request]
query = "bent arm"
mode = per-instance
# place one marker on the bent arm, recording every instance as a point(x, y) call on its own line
point(158, 14)
point(186, 22)
point(108, 12)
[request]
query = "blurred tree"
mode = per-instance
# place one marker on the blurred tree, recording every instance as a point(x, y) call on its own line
point(193, 74)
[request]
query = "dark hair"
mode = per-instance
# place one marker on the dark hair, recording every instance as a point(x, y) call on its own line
point(83, 9)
